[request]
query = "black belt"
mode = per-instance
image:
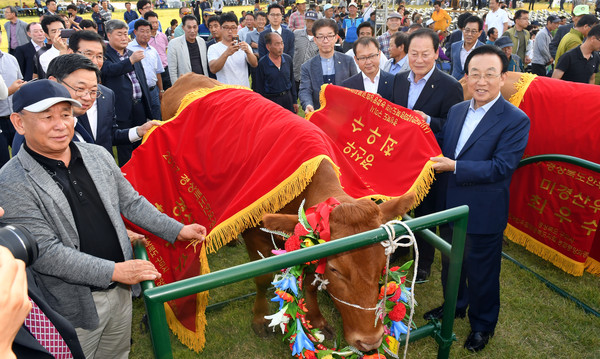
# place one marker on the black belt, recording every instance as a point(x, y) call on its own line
point(272, 95)
point(152, 88)
point(112, 285)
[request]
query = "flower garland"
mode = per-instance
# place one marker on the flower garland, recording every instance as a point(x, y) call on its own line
point(306, 341)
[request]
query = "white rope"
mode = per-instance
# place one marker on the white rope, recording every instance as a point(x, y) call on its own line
point(390, 246)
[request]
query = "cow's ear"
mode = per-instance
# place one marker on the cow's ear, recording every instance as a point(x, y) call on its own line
point(280, 222)
point(397, 207)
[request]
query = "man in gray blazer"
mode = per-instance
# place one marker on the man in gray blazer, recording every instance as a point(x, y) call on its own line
point(71, 196)
point(329, 66)
point(16, 30)
point(187, 53)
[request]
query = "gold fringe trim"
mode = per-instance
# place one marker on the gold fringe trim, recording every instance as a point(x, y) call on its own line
point(423, 183)
point(521, 86)
point(191, 97)
point(592, 266)
point(271, 202)
point(553, 256)
point(322, 101)
point(194, 340)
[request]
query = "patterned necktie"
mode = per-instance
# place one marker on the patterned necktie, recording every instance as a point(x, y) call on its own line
point(46, 333)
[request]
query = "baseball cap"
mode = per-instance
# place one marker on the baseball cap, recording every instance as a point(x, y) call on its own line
point(394, 15)
point(553, 19)
point(327, 7)
point(311, 15)
point(353, 4)
point(37, 96)
point(298, 2)
point(581, 10)
point(503, 42)
point(429, 22)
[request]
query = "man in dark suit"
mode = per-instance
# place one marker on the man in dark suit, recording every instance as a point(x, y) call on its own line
point(429, 92)
point(482, 144)
point(371, 78)
point(461, 49)
point(123, 73)
point(329, 66)
point(25, 53)
point(275, 15)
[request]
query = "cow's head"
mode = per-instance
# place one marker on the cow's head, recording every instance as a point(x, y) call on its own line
point(354, 276)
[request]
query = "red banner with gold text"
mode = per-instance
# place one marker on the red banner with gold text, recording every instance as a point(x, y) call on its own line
point(555, 206)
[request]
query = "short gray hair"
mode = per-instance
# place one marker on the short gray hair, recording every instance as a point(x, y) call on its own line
point(113, 25)
point(14, 10)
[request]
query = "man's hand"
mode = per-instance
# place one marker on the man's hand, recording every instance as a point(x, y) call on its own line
point(141, 130)
point(136, 56)
point(14, 301)
point(309, 109)
point(59, 43)
point(192, 232)
point(134, 271)
point(15, 86)
point(134, 236)
point(244, 46)
point(232, 48)
point(443, 164)
point(254, 45)
point(423, 114)
point(295, 107)
point(527, 60)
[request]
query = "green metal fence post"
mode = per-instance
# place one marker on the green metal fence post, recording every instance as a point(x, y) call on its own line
point(451, 295)
point(157, 318)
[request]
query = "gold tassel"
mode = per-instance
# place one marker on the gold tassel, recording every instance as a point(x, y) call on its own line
point(592, 266)
point(553, 256)
point(521, 86)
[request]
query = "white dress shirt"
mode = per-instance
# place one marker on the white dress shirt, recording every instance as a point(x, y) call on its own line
point(371, 86)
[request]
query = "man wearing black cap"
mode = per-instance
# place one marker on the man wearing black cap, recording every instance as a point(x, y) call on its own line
point(541, 47)
point(71, 197)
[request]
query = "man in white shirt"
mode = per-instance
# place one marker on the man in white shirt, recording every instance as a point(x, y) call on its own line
point(227, 58)
point(398, 60)
point(52, 25)
point(151, 63)
point(497, 18)
point(218, 6)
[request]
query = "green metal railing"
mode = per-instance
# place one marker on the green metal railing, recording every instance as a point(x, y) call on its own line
point(561, 158)
point(155, 297)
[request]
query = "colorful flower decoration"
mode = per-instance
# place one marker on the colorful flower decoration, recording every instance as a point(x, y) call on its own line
point(305, 341)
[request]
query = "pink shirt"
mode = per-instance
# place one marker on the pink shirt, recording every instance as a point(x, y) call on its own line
point(160, 43)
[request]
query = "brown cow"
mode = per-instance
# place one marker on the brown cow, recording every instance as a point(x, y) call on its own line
point(353, 276)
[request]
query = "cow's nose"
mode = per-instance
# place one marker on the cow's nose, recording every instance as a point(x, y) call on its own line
point(368, 344)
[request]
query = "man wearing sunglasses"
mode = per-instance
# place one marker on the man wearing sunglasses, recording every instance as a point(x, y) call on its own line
point(143, 7)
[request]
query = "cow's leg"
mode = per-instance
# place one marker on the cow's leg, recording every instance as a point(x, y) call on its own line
point(257, 242)
point(314, 314)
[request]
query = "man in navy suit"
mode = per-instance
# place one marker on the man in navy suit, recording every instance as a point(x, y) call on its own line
point(275, 14)
point(25, 53)
point(482, 144)
point(371, 78)
point(462, 49)
point(329, 66)
point(123, 73)
point(429, 92)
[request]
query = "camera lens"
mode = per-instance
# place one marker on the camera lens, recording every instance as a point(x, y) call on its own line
point(20, 243)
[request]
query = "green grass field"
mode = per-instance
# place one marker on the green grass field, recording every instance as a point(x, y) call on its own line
point(535, 322)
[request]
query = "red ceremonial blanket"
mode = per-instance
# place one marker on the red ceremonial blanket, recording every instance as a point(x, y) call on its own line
point(229, 156)
point(555, 206)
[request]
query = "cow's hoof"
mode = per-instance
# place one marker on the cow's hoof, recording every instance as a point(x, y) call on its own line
point(262, 330)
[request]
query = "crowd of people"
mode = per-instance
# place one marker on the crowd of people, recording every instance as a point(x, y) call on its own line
point(102, 83)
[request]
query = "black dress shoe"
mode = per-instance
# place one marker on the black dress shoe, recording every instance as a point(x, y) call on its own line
point(476, 341)
point(438, 313)
point(422, 274)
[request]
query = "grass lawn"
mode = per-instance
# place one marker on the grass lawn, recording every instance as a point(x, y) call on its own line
point(535, 322)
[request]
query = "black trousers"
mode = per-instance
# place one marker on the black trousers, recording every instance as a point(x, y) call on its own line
point(166, 79)
point(124, 151)
point(286, 101)
point(6, 138)
point(538, 69)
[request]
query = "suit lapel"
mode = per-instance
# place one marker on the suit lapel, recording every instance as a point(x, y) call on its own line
point(340, 70)
point(202, 57)
point(317, 71)
point(450, 144)
point(428, 90)
point(384, 83)
point(360, 84)
point(489, 120)
point(405, 87)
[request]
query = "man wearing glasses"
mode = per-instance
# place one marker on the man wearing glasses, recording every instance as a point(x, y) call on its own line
point(143, 7)
point(371, 78)
point(179, 29)
point(482, 144)
point(462, 49)
point(275, 15)
point(328, 67)
point(228, 58)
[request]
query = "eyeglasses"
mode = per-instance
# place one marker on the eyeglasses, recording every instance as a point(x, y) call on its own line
point(82, 92)
point(325, 37)
point(229, 28)
point(365, 58)
point(92, 56)
point(476, 77)
point(276, 15)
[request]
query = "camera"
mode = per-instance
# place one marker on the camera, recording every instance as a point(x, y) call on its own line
point(20, 243)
